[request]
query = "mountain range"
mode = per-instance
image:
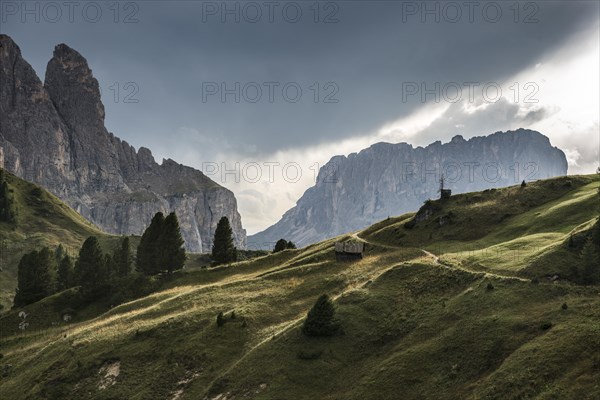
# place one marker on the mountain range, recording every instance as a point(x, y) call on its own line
point(387, 179)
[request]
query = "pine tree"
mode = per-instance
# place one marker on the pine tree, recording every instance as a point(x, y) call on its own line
point(64, 277)
point(590, 265)
point(280, 246)
point(8, 211)
point(26, 290)
point(123, 259)
point(90, 269)
point(223, 250)
point(290, 245)
point(148, 253)
point(321, 319)
point(35, 277)
point(172, 253)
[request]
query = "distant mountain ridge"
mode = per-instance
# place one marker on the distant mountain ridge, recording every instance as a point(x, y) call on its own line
point(387, 179)
point(53, 134)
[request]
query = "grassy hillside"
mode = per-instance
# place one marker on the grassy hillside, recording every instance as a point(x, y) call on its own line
point(506, 230)
point(435, 311)
point(43, 220)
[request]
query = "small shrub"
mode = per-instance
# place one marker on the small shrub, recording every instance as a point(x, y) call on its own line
point(220, 319)
point(489, 286)
point(232, 315)
point(535, 281)
point(546, 325)
point(564, 306)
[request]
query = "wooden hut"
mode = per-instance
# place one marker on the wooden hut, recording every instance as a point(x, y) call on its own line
point(349, 251)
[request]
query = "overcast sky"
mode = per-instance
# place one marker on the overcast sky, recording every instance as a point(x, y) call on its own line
point(170, 73)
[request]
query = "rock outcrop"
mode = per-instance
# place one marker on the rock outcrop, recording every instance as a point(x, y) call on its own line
point(386, 179)
point(53, 134)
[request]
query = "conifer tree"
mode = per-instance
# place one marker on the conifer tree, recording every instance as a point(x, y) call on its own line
point(26, 280)
point(172, 253)
point(223, 250)
point(320, 320)
point(91, 270)
point(35, 277)
point(148, 253)
point(280, 246)
point(290, 245)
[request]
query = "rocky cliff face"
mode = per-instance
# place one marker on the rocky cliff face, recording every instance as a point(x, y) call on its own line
point(53, 134)
point(386, 179)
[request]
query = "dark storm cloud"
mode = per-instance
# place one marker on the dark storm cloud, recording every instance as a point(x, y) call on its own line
point(373, 50)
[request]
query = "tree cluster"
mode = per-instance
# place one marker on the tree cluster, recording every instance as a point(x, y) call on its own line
point(161, 247)
point(43, 273)
point(283, 244)
point(98, 274)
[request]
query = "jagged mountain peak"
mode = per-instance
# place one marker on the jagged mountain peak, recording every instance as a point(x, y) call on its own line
point(74, 89)
point(68, 56)
point(7, 45)
point(53, 134)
